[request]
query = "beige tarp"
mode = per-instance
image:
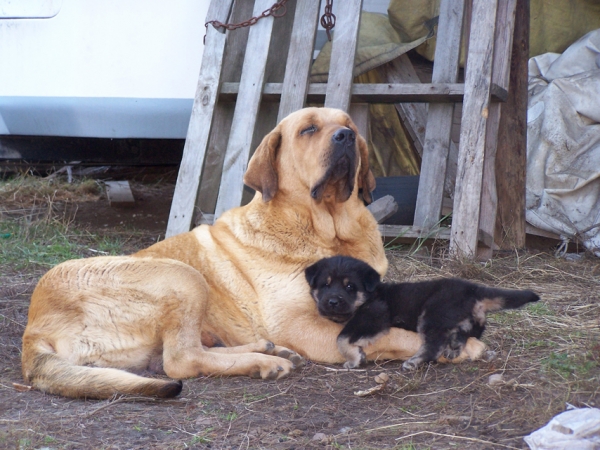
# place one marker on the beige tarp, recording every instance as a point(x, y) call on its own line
point(563, 142)
point(411, 24)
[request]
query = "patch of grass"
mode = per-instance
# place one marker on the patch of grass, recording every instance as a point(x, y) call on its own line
point(539, 309)
point(202, 437)
point(230, 416)
point(540, 344)
point(26, 190)
point(50, 242)
point(250, 398)
point(568, 365)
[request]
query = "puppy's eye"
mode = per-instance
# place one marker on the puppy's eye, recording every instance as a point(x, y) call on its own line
point(309, 130)
point(350, 287)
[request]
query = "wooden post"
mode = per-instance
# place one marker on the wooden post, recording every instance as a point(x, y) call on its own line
point(207, 90)
point(219, 136)
point(478, 80)
point(439, 119)
point(341, 66)
point(500, 75)
point(511, 159)
point(297, 71)
point(246, 111)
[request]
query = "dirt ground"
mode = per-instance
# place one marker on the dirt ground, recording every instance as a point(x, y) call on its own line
point(548, 357)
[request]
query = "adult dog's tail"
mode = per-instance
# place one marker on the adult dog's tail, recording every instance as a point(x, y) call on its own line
point(494, 299)
point(50, 373)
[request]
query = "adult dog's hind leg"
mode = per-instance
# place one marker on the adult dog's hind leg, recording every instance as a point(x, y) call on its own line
point(262, 346)
point(185, 357)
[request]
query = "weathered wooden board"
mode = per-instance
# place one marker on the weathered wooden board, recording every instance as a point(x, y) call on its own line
point(511, 157)
point(439, 119)
point(341, 66)
point(372, 93)
point(500, 75)
point(297, 71)
point(188, 179)
point(119, 194)
point(246, 111)
point(478, 80)
point(413, 115)
point(223, 117)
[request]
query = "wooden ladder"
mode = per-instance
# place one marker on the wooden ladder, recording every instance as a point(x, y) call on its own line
point(236, 104)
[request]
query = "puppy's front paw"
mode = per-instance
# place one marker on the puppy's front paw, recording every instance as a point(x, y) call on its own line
point(356, 359)
point(451, 353)
point(410, 365)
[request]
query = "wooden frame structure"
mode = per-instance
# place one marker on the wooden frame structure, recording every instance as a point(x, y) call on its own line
point(249, 95)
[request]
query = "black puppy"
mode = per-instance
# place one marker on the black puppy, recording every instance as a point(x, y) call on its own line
point(445, 312)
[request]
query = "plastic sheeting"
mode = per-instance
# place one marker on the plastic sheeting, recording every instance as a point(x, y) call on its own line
point(563, 149)
point(576, 429)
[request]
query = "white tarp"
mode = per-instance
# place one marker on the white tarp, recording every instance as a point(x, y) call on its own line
point(577, 429)
point(563, 149)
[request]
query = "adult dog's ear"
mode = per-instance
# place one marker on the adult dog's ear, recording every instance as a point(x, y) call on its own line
point(311, 273)
point(371, 279)
point(366, 180)
point(261, 174)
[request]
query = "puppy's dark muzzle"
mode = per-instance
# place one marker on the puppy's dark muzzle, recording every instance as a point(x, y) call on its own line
point(335, 308)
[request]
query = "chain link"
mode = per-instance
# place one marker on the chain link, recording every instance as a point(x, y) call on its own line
point(328, 18)
point(272, 11)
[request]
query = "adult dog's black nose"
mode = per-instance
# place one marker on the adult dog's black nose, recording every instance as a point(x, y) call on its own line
point(344, 136)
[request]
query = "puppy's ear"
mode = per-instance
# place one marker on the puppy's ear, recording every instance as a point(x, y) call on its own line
point(261, 174)
point(311, 273)
point(371, 279)
point(366, 180)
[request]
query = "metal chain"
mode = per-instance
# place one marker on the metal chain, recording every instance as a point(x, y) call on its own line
point(272, 11)
point(328, 18)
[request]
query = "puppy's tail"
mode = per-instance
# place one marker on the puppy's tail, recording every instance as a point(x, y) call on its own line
point(50, 373)
point(494, 299)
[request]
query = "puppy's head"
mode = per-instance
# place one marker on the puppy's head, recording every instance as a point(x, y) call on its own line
point(339, 285)
point(313, 150)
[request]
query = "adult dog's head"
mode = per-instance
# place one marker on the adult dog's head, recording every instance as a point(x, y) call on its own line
point(317, 150)
point(339, 285)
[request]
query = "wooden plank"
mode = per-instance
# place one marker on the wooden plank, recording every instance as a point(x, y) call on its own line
point(372, 93)
point(188, 179)
point(223, 117)
point(409, 232)
point(505, 21)
point(119, 193)
point(467, 198)
point(274, 73)
point(439, 119)
point(511, 158)
point(297, 71)
point(413, 115)
point(383, 207)
point(360, 116)
point(246, 111)
point(343, 50)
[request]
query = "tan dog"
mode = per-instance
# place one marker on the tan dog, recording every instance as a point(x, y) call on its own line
point(239, 283)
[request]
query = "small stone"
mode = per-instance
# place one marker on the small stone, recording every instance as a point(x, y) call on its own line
point(489, 355)
point(344, 430)
point(319, 437)
point(495, 379)
point(382, 378)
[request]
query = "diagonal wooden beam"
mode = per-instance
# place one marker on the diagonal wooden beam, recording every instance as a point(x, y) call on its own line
point(207, 91)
